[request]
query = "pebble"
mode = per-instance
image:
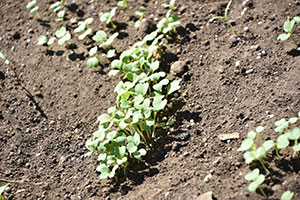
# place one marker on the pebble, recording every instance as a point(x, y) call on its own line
point(178, 68)
point(30, 30)
point(52, 122)
point(259, 23)
point(249, 71)
point(27, 130)
point(237, 63)
point(12, 48)
point(246, 29)
point(28, 41)
point(207, 178)
point(255, 47)
point(206, 196)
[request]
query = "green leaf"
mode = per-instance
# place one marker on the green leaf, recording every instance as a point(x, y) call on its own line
point(251, 176)
point(249, 157)
point(93, 51)
point(31, 4)
point(55, 5)
point(227, 9)
point(268, 145)
point(284, 36)
point(99, 36)
point(36, 8)
point(111, 135)
point(2, 56)
point(293, 120)
point(287, 195)
point(104, 118)
point(158, 103)
point(121, 152)
point(295, 134)
point(113, 72)
point(110, 40)
point(86, 33)
point(136, 139)
point(111, 53)
point(99, 134)
point(131, 147)
point(251, 135)
point(288, 26)
point(259, 129)
point(282, 141)
point(116, 64)
point(2, 189)
point(150, 122)
point(80, 28)
point(246, 145)
point(260, 179)
point(296, 147)
point(113, 171)
point(61, 14)
point(174, 85)
point(104, 17)
point(42, 40)
point(51, 41)
point(138, 154)
point(158, 86)
point(123, 124)
point(253, 186)
point(92, 62)
point(136, 117)
point(141, 88)
point(260, 152)
point(102, 156)
point(88, 21)
point(104, 172)
point(61, 32)
point(122, 161)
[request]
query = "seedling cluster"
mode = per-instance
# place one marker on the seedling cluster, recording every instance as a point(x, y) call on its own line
point(288, 28)
point(255, 152)
point(34, 8)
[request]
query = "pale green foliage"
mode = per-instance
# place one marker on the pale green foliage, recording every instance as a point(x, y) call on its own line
point(108, 16)
point(287, 195)
point(122, 3)
point(33, 8)
point(255, 178)
point(2, 189)
point(64, 36)
point(288, 28)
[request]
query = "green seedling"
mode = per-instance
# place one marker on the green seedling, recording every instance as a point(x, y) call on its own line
point(61, 16)
point(256, 180)
point(64, 36)
point(287, 195)
point(225, 17)
point(2, 189)
point(288, 28)
point(168, 24)
point(122, 3)
point(101, 36)
point(257, 153)
point(42, 40)
point(93, 61)
point(140, 12)
point(108, 17)
point(110, 53)
point(56, 6)
point(83, 27)
point(171, 5)
point(33, 8)
point(11, 67)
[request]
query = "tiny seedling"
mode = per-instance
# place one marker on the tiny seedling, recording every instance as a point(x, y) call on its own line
point(33, 8)
point(2, 189)
point(93, 61)
point(256, 180)
point(288, 28)
point(225, 17)
point(140, 12)
point(171, 6)
point(11, 67)
point(42, 40)
point(122, 3)
point(108, 17)
point(287, 195)
point(56, 6)
point(64, 36)
point(83, 27)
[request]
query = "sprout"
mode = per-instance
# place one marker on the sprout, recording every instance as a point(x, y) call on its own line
point(140, 12)
point(256, 180)
point(287, 195)
point(56, 6)
point(64, 36)
point(43, 40)
point(288, 28)
point(109, 41)
point(33, 8)
point(122, 3)
point(107, 17)
point(225, 17)
point(93, 61)
point(60, 16)
point(83, 25)
point(11, 67)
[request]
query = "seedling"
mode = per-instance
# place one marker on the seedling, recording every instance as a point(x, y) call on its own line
point(140, 12)
point(83, 26)
point(225, 17)
point(101, 36)
point(256, 180)
point(93, 61)
point(108, 16)
point(33, 8)
point(11, 67)
point(122, 3)
point(168, 23)
point(43, 40)
point(288, 28)
point(2, 189)
point(171, 7)
point(64, 36)
point(287, 195)
point(56, 6)
point(257, 153)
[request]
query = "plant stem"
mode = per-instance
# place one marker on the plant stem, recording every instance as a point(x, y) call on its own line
point(153, 130)
point(294, 40)
point(38, 15)
point(113, 25)
point(232, 29)
point(263, 165)
point(277, 152)
point(14, 71)
point(141, 134)
point(262, 191)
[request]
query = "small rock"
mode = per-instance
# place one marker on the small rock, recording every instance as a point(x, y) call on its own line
point(28, 41)
point(52, 122)
point(73, 21)
point(246, 29)
point(12, 48)
point(206, 196)
point(255, 47)
point(207, 178)
point(179, 68)
point(276, 187)
point(30, 30)
point(259, 23)
point(249, 71)
point(234, 135)
point(237, 63)
point(27, 130)
point(184, 136)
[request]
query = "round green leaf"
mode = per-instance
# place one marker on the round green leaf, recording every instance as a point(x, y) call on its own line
point(296, 147)
point(287, 195)
point(282, 141)
point(260, 179)
point(42, 40)
point(246, 145)
point(288, 26)
point(174, 85)
point(89, 20)
point(51, 41)
point(252, 186)
point(61, 32)
point(92, 62)
point(80, 28)
point(104, 17)
point(31, 4)
point(141, 88)
point(295, 133)
point(111, 53)
point(93, 51)
point(293, 120)
point(259, 129)
point(268, 145)
point(103, 118)
point(251, 135)
point(131, 147)
point(100, 36)
point(252, 175)
point(284, 36)
point(249, 157)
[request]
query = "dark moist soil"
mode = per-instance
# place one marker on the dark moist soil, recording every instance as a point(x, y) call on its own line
point(227, 88)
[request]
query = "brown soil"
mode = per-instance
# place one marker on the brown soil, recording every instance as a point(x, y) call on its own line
point(42, 137)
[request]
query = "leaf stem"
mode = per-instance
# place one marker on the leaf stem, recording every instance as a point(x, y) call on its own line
point(262, 191)
point(263, 165)
point(153, 130)
point(232, 29)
